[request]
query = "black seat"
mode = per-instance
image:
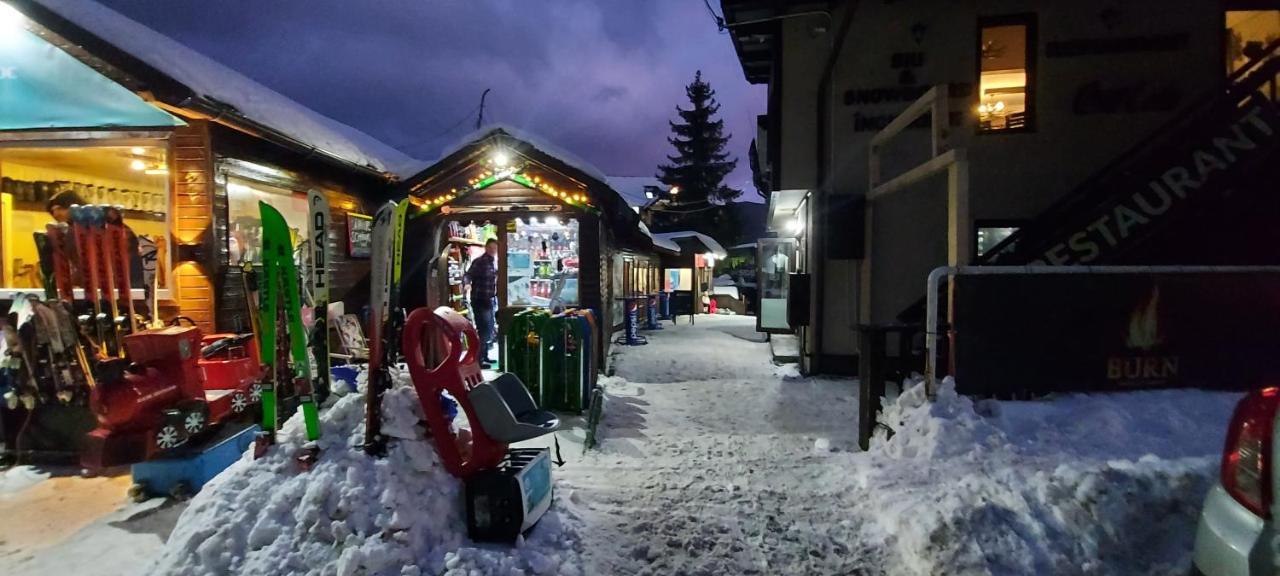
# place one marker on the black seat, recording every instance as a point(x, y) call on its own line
point(507, 411)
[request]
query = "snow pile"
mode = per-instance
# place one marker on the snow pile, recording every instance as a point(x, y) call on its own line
point(1073, 485)
point(20, 478)
point(350, 514)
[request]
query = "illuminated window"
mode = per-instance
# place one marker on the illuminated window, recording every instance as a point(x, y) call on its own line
point(1005, 53)
point(134, 177)
point(245, 217)
point(542, 262)
point(990, 233)
point(1248, 33)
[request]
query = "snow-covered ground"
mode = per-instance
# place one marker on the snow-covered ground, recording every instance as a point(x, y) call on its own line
point(714, 461)
point(66, 524)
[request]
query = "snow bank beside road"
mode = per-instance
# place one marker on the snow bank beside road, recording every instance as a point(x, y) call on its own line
point(350, 515)
point(1096, 484)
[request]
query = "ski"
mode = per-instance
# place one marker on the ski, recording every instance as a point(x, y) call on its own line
point(268, 322)
point(281, 306)
point(319, 281)
point(107, 267)
point(58, 233)
point(118, 250)
point(383, 246)
point(81, 224)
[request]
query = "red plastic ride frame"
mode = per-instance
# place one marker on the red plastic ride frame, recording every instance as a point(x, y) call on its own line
point(458, 372)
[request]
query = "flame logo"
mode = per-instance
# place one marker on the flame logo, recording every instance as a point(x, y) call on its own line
point(1144, 324)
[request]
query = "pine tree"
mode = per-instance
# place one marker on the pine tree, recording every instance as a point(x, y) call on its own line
point(700, 164)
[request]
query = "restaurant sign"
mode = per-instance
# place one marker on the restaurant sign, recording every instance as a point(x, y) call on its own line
point(1175, 176)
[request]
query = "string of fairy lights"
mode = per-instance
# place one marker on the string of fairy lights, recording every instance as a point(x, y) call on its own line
point(498, 168)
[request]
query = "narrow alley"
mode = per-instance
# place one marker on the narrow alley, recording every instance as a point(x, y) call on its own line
point(713, 462)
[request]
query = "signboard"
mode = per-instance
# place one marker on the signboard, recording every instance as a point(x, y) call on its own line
point(1036, 334)
point(359, 235)
point(1184, 173)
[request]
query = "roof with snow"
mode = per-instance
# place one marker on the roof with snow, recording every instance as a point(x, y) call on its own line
point(666, 244)
point(499, 129)
point(469, 165)
point(186, 79)
point(707, 242)
point(632, 188)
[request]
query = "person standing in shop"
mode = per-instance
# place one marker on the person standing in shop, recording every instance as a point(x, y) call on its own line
point(483, 277)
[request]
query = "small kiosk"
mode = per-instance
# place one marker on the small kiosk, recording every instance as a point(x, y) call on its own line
point(564, 235)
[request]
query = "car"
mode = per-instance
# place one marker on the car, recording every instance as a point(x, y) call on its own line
point(1236, 535)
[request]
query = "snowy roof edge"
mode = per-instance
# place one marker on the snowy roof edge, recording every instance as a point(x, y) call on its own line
point(707, 241)
point(216, 83)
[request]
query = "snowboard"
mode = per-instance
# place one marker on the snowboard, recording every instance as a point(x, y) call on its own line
point(318, 279)
point(280, 306)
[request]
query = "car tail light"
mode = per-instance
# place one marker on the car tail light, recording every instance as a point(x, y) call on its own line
point(1246, 460)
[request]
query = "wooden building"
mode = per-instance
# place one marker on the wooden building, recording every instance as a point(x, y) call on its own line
point(103, 106)
point(565, 237)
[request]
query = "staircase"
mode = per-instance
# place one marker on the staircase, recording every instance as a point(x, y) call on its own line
point(1215, 168)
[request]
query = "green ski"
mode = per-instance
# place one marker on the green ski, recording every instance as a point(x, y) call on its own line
point(281, 305)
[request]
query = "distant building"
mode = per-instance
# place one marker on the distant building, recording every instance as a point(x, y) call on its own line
point(1059, 111)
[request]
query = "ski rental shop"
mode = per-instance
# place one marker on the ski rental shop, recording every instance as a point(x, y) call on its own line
point(102, 110)
point(566, 239)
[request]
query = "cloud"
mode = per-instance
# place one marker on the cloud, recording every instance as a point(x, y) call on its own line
point(600, 77)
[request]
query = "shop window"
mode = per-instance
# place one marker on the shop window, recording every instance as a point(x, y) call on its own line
point(1006, 80)
point(776, 259)
point(679, 279)
point(1249, 32)
point(542, 262)
point(991, 234)
point(245, 217)
point(133, 177)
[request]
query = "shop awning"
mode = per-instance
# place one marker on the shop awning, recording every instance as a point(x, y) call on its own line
point(43, 87)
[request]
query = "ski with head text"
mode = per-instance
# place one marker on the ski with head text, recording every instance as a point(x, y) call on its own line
point(318, 280)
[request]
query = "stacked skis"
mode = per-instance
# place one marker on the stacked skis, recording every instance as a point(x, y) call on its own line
point(290, 381)
point(53, 342)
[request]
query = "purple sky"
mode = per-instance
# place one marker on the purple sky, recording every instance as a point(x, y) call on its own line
point(600, 78)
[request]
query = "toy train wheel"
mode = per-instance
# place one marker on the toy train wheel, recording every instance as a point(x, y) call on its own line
point(239, 402)
point(138, 493)
point(168, 437)
point(194, 422)
point(255, 393)
point(181, 491)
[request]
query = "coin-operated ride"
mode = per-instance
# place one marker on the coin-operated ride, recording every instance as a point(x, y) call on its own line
point(507, 489)
point(173, 386)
